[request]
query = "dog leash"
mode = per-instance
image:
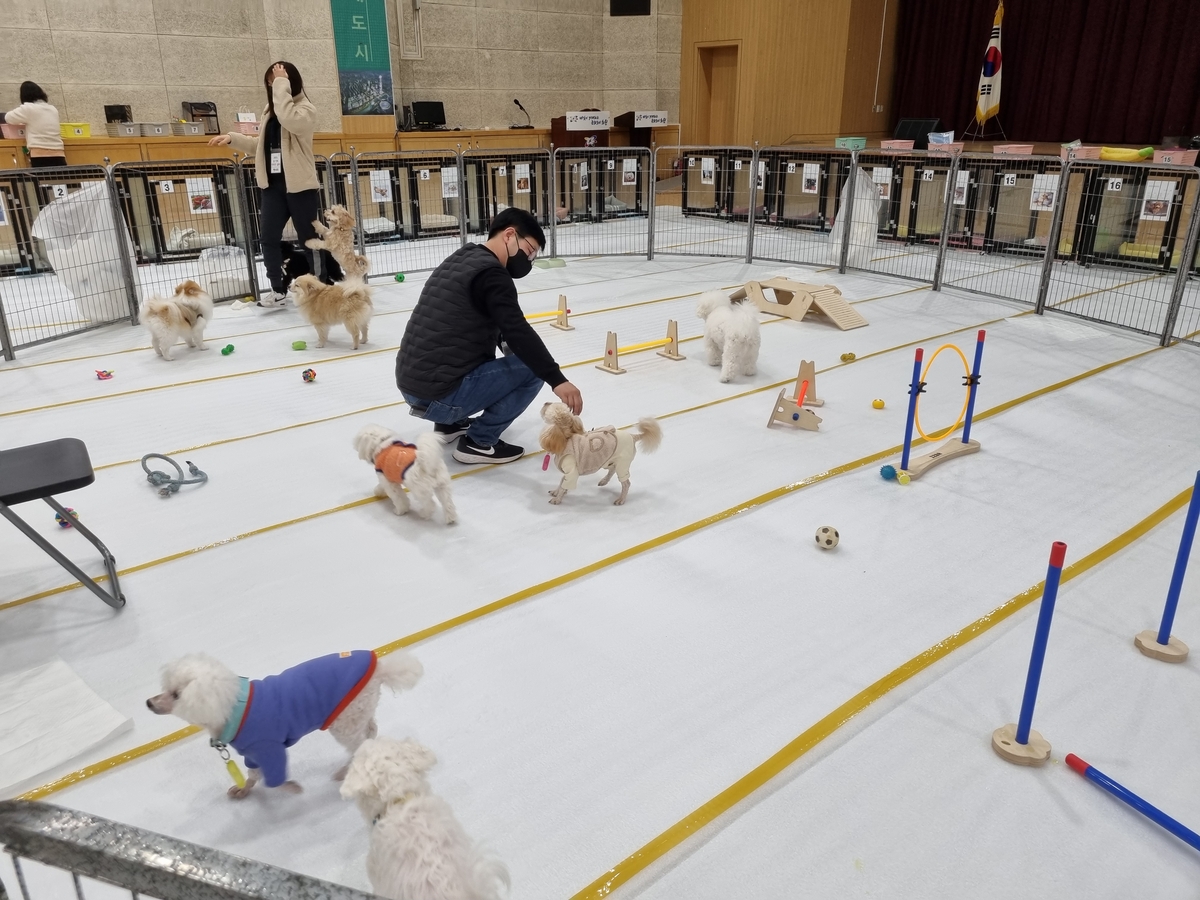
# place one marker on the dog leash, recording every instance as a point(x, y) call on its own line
point(164, 482)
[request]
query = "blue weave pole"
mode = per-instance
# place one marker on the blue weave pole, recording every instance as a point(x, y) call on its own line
point(1181, 562)
point(974, 384)
point(1058, 553)
point(913, 390)
point(1122, 793)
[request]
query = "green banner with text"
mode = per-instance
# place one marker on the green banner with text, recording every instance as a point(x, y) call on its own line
point(360, 33)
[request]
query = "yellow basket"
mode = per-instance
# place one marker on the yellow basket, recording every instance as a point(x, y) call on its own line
point(75, 129)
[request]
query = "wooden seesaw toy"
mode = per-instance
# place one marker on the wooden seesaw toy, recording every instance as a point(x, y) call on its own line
point(669, 344)
point(791, 411)
point(560, 315)
point(918, 466)
point(795, 300)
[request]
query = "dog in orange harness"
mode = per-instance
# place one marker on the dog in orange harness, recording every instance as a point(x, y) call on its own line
point(418, 467)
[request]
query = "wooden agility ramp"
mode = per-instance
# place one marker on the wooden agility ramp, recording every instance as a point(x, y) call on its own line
point(795, 300)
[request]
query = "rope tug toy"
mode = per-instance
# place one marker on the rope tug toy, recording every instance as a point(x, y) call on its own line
point(164, 482)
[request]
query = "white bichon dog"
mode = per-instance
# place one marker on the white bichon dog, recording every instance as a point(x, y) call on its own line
point(419, 467)
point(731, 334)
point(418, 850)
point(260, 719)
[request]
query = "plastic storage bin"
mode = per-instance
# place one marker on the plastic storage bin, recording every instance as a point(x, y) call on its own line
point(13, 132)
point(74, 129)
point(895, 145)
point(1079, 152)
point(123, 129)
point(1013, 149)
point(191, 129)
point(1176, 157)
point(248, 127)
point(156, 129)
point(850, 143)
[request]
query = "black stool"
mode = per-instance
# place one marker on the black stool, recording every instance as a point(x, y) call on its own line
point(54, 467)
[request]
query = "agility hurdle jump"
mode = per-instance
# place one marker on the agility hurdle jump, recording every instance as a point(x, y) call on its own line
point(791, 410)
point(559, 315)
point(612, 353)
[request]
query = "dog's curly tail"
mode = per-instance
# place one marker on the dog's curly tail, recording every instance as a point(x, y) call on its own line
point(648, 434)
point(399, 670)
point(489, 873)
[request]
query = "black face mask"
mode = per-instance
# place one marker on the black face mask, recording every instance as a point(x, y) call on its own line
point(519, 265)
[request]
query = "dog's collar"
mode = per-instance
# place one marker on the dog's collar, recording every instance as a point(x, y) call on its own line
point(399, 801)
point(234, 723)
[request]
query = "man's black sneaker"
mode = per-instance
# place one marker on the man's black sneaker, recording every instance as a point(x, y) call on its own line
point(468, 451)
point(447, 433)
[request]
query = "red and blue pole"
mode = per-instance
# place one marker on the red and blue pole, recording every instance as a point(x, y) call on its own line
point(1058, 553)
point(1153, 813)
point(1181, 562)
point(974, 384)
point(913, 390)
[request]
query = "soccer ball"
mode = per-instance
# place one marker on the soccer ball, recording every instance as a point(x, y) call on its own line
point(827, 537)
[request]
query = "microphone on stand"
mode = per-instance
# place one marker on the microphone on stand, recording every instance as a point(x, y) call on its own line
point(524, 110)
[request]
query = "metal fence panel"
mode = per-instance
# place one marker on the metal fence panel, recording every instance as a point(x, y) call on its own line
point(188, 221)
point(140, 861)
point(495, 180)
point(63, 255)
point(998, 224)
point(798, 202)
point(410, 206)
point(702, 201)
point(602, 199)
point(1123, 235)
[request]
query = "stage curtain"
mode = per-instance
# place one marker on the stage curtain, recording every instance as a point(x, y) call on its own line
point(1102, 71)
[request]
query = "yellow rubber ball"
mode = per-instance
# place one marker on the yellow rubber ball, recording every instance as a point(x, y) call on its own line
point(903, 477)
point(848, 357)
point(877, 404)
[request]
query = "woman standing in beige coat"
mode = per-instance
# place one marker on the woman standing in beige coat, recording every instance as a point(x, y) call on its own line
point(285, 170)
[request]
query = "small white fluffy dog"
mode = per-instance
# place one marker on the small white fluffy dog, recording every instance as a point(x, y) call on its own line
point(578, 452)
point(262, 718)
point(348, 302)
point(420, 467)
point(731, 334)
point(418, 849)
point(183, 315)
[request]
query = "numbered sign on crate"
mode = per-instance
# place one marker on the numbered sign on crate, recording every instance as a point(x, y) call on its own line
point(166, 187)
point(1114, 185)
point(1010, 179)
point(59, 190)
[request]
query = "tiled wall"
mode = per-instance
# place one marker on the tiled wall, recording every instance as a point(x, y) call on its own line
point(477, 56)
point(553, 55)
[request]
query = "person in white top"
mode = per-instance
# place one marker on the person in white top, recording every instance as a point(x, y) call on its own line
point(42, 136)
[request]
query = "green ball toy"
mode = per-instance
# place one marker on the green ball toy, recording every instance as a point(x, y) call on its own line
point(299, 345)
point(227, 349)
point(399, 276)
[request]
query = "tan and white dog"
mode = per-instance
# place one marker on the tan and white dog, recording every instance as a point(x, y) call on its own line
point(579, 452)
point(184, 315)
point(338, 239)
point(323, 305)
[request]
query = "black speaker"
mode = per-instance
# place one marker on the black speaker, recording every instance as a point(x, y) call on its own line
point(629, 7)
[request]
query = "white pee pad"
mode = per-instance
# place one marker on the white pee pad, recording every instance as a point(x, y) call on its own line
point(48, 716)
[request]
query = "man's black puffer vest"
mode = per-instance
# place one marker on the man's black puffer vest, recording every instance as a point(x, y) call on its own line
point(447, 337)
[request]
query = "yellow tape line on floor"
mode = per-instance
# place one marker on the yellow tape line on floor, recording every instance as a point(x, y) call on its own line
point(543, 587)
point(823, 728)
point(395, 403)
point(50, 592)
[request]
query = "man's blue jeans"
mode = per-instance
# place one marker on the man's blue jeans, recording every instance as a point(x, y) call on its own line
point(503, 388)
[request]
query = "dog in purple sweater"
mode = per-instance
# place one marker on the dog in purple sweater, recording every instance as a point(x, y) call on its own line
point(262, 718)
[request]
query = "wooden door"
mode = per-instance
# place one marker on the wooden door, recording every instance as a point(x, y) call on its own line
point(716, 94)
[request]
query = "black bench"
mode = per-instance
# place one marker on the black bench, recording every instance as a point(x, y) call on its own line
point(36, 472)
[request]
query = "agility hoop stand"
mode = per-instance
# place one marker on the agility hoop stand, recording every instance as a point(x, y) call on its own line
point(918, 466)
point(612, 353)
point(1160, 644)
point(791, 411)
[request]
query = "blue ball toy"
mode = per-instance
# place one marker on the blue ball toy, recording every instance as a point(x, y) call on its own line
point(888, 472)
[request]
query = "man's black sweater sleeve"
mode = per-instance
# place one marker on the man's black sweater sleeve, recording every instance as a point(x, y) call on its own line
point(494, 294)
